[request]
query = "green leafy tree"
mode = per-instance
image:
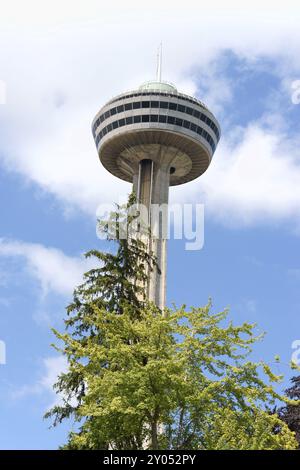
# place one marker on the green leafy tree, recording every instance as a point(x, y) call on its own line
point(290, 413)
point(142, 378)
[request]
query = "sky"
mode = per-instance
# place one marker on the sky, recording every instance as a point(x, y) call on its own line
point(59, 63)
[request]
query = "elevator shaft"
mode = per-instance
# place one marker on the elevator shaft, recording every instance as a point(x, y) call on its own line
point(151, 186)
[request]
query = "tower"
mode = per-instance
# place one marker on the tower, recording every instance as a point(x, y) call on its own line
point(155, 137)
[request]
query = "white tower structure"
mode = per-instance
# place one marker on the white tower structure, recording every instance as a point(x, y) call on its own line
point(155, 137)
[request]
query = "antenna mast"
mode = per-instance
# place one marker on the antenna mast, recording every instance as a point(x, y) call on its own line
point(159, 63)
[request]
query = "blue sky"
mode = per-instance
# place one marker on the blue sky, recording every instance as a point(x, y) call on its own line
point(58, 68)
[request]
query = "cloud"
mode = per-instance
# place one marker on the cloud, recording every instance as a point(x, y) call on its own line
point(250, 305)
point(61, 61)
point(255, 179)
point(294, 273)
point(55, 271)
point(52, 367)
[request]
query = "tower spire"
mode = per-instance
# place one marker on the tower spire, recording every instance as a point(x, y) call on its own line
point(159, 63)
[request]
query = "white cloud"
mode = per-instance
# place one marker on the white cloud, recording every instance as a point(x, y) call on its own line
point(250, 305)
point(61, 61)
point(254, 180)
point(55, 271)
point(257, 179)
point(215, 87)
point(294, 273)
point(52, 367)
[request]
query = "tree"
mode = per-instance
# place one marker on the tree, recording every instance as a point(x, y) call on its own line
point(290, 413)
point(142, 378)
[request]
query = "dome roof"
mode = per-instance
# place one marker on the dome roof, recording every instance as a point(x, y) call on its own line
point(158, 86)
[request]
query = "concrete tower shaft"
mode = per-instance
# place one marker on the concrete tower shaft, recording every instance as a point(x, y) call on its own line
point(155, 137)
point(151, 185)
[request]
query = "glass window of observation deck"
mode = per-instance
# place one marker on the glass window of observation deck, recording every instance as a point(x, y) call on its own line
point(171, 120)
point(163, 118)
point(163, 104)
point(178, 122)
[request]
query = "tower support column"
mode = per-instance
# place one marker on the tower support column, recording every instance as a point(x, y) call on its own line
point(151, 186)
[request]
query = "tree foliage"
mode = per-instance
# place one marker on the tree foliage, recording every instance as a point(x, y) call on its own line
point(142, 378)
point(290, 413)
